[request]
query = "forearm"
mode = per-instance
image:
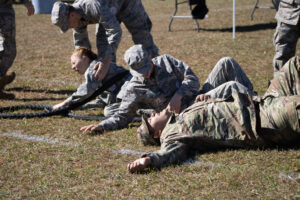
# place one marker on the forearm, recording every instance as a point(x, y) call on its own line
point(81, 39)
point(116, 122)
point(79, 96)
point(190, 85)
point(109, 32)
point(172, 154)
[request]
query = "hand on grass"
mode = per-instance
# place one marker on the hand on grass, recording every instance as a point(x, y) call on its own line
point(139, 165)
point(94, 128)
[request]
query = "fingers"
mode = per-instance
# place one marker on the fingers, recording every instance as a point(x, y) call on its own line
point(99, 74)
point(88, 128)
point(95, 129)
point(139, 164)
point(96, 66)
point(202, 97)
point(135, 166)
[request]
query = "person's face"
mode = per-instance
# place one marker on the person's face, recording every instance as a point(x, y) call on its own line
point(158, 121)
point(79, 64)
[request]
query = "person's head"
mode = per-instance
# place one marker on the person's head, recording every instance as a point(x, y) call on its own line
point(65, 16)
point(138, 59)
point(81, 59)
point(151, 128)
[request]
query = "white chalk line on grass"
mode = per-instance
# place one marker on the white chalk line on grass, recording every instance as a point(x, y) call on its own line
point(129, 152)
point(34, 138)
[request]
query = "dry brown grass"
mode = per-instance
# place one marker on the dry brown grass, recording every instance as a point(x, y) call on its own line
point(87, 167)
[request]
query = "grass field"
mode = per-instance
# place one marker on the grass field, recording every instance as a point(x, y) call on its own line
point(49, 158)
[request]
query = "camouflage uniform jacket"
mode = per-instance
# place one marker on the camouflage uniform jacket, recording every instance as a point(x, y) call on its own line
point(288, 12)
point(170, 76)
point(91, 84)
point(210, 125)
point(102, 12)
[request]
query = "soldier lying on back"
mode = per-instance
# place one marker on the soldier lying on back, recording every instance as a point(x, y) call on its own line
point(241, 121)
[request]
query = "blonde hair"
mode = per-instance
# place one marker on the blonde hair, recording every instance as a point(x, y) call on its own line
point(84, 51)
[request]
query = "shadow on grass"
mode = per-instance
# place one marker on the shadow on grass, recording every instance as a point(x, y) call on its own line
point(28, 89)
point(241, 29)
point(248, 28)
point(38, 99)
point(46, 91)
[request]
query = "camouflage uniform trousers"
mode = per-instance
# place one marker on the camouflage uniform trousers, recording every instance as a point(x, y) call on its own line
point(7, 39)
point(285, 42)
point(138, 24)
point(227, 77)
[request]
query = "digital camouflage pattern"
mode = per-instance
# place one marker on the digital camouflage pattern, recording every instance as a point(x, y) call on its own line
point(226, 77)
point(91, 84)
point(170, 76)
point(8, 49)
point(108, 14)
point(241, 121)
point(287, 32)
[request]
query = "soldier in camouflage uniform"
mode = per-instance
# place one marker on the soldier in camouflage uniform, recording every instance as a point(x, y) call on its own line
point(108, 14)
point(241, 121)
point(8, 41)
point(287, 32)
point(167, 82)
point(83, 60)
point(156, 83)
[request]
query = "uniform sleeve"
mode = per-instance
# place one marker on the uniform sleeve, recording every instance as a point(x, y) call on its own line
point(86, 89)
point(81, 38)
point(111, 25)
point(190, 83)
point(170, 153)
point(125, 114)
